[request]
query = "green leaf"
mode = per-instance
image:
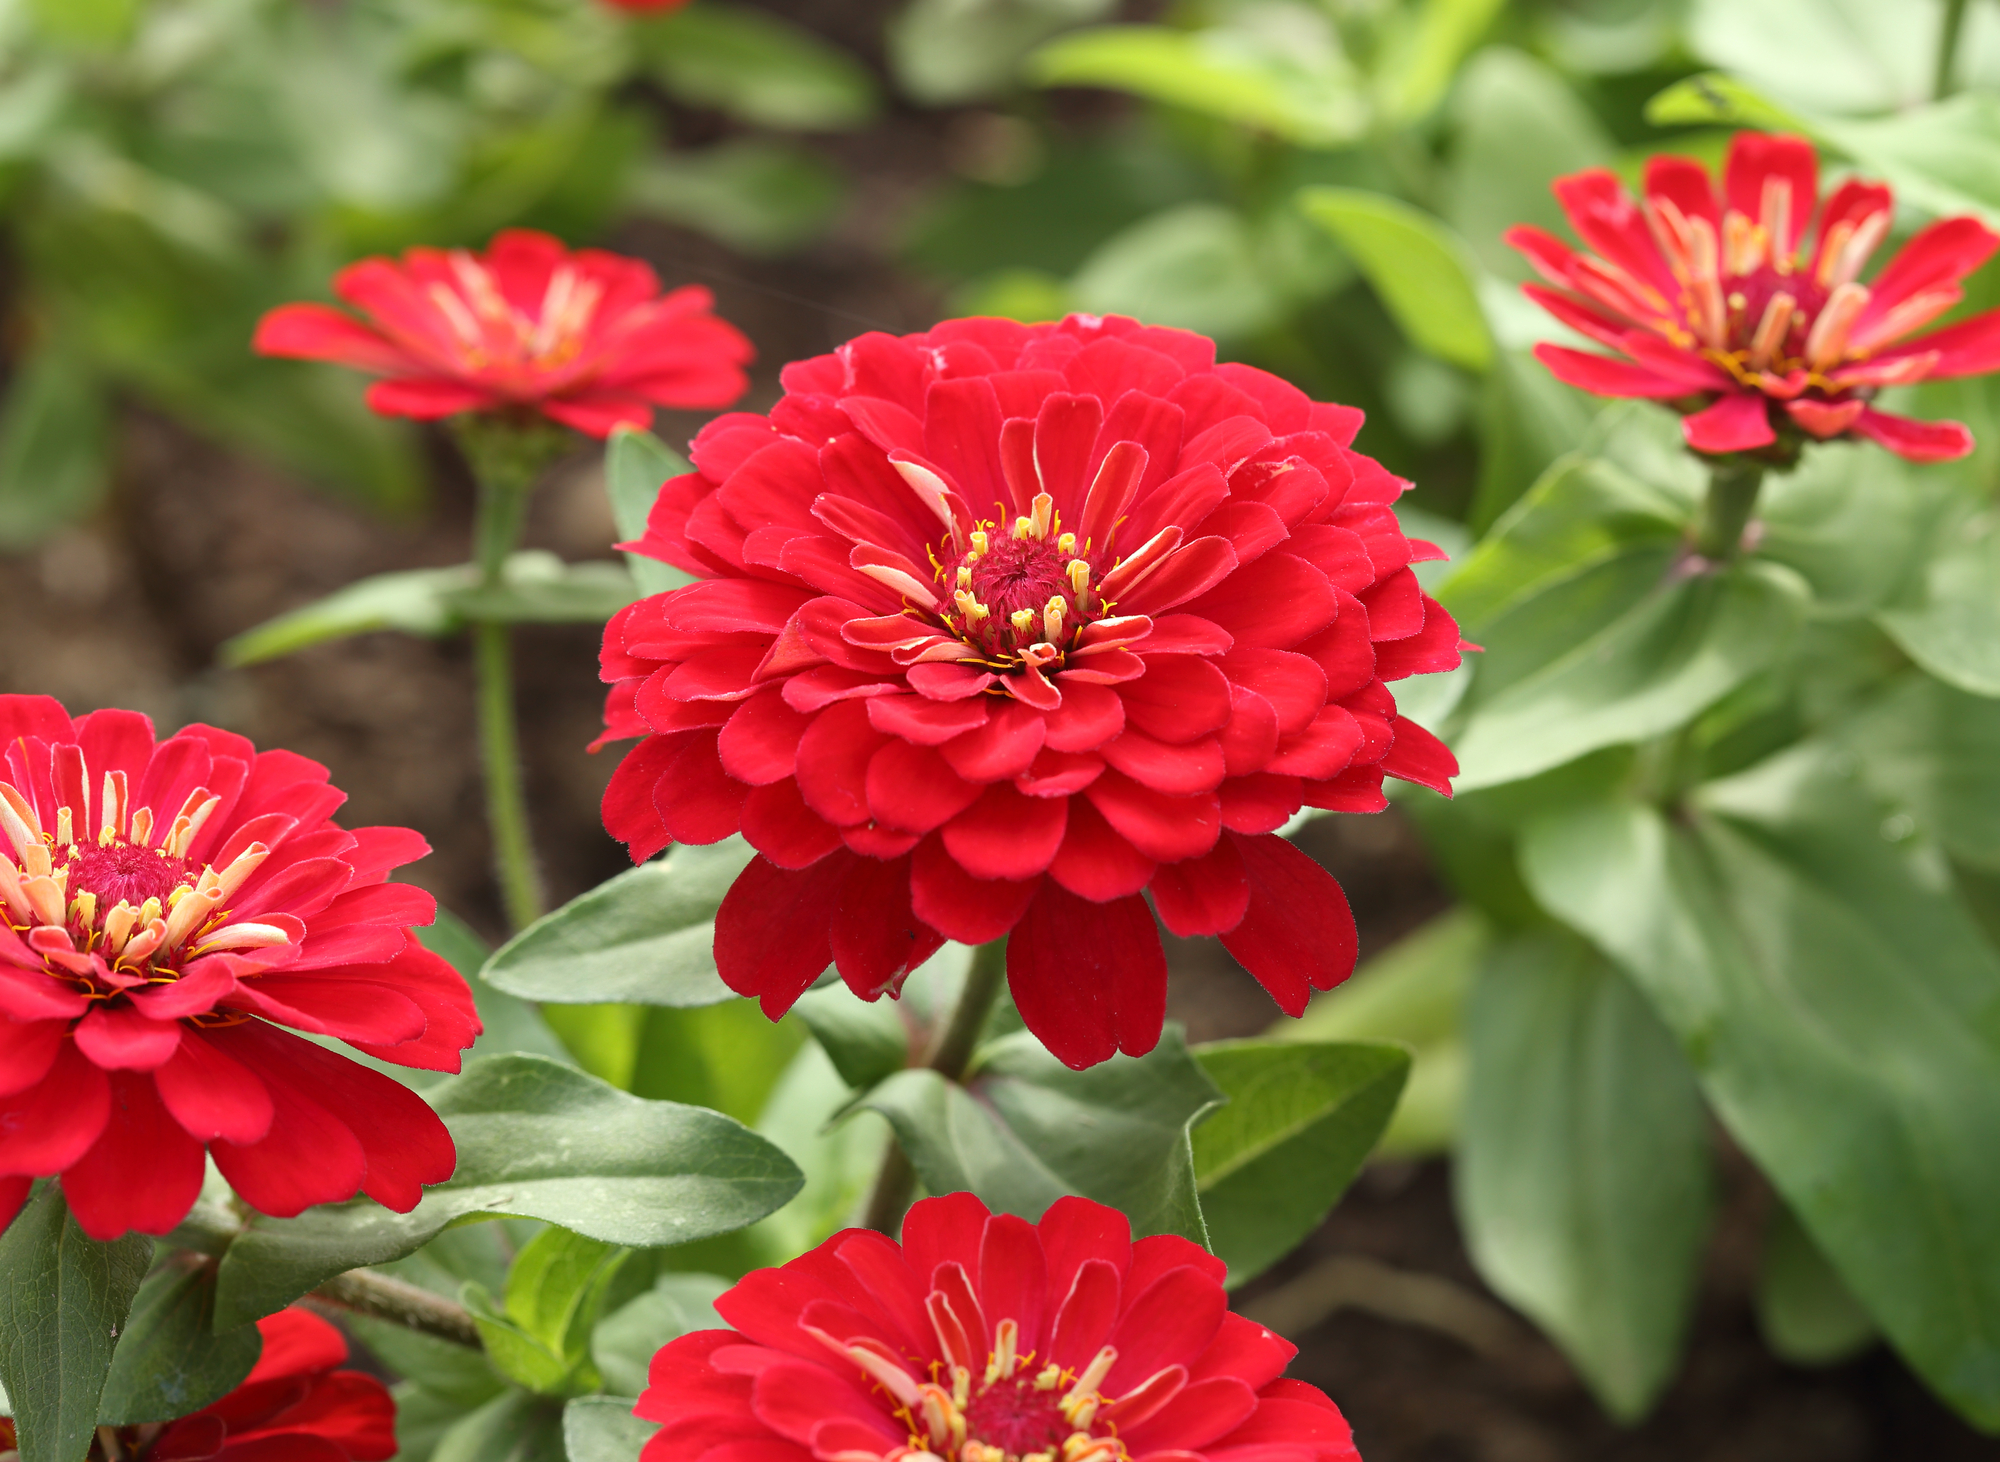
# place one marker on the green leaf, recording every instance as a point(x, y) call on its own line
point(1416, 265)
point(1714, 97)
point(53, 439)
point(758, 68)
point(1194, 266)
point(423, 1417)
point(1806, 1314)
point(63, 1302)
point(867, 1040)
point(945, 51)
point(1938, 158)
point(1024, 1130)
point(510, 1024)
point(1582, 1175)
point(540, 588)
point(1953, 628)
point(170, 1361)
point(1843, 1014)
point(839, 1158)
point(1847, 56)
point(645, 937)
point(1934, 752)
point(755, 195)
point(626, 1340)
point(538, 1140)
point(1412, 994)
point(1301, 1120)
point(513, 1427)
point(1421, 57)
point(637, 465)
point(1517, 126)
point(1303, 93)
point(556, 1287)
point(1856, 523)
point(603, 1429)
point(1673, 651)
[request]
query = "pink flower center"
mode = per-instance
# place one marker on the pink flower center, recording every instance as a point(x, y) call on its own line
point(1018, 1417)
point(123, 873)
point(1029, 588)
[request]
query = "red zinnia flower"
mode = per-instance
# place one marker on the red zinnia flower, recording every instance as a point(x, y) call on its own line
point(1164, 629)
point(586, 338)
point(988, 1339)
point(163, 910)
point(646, 7)
point(1718, 306)
point(292, 1407)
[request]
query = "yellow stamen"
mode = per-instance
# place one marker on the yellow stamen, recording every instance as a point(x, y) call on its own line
point(1772, 330)
point(1066, 545)
point(1052, 618)
point(1022, 620)
point(1079, 576)
point(65, 828)
point(979, 542)
point(83, 908)
point(970, 607)
point(1044, 515)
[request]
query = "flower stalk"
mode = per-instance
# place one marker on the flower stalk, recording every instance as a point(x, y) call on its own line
point(1732, 495)
point(950, 1053)
point(507, 457)
point(1947, 51)
point(384, 1298)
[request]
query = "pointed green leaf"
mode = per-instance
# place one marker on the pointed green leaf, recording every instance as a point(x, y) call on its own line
point(170, 1360)
point(626, 1340)
point(1953, 628)
point(645, 937)
point(759, 68)
point(63, 1302)
point(1843, 1014)
point(1807, 1315)
point(538, 1140)
point(513, 1427)
point(603, 1429)
point(1418, 267)
point(1583, 1173)
point(1300, 1120)
point(1025, 1130)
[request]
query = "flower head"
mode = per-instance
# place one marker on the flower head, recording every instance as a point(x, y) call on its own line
point(1000, 626)
point(1748, 309)
point(985, 1338)
point(584, 338)
point(293, 1405)
point(164, 910)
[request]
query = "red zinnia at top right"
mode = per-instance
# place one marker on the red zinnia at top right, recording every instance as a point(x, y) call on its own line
point(1746, 309)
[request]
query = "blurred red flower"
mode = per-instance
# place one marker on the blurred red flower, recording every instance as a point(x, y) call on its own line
point(1164, 629)
point(646, 7)
point(166, 909)
point(985, 1338)
point(294, 1406)
point(584, 338)
point(1717, 304)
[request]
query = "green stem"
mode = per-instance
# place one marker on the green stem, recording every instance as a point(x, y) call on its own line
point(1725, 513)
point(378, 1295)
point(1947, 51)
point(950, 1053)
point(506, 457)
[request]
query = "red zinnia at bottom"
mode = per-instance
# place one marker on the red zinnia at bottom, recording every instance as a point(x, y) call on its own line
point(985, 1338)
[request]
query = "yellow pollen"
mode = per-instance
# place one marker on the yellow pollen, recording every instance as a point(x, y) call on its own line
point(1049, 1378)
point(1737, 300)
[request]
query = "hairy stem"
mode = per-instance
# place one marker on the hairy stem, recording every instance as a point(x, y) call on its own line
point(384, 1298)
point(1947, 51)
point(950, 1053)
point(1725, 513)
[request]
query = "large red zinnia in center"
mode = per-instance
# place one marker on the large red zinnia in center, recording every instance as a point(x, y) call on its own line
point(1000, 626)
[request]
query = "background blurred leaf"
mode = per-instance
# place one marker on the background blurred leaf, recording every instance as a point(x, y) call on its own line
point(63, 1302)
point(54, 446)
point(637, 465)
point(1953, 630)
point(1416, 266)
point(1298, 87)
point(946, 51)
point(1301, 1119)
point(1845, 57)
point(1582, 1172)
point(603, 1429)
point(1804, 1311)
point(626, 1341)
point(757, 67)
point(1421, 55)
point(169, 1360)
point(757, 196)
point(513, 1427)
point(1194, 266)
point(1935, 752)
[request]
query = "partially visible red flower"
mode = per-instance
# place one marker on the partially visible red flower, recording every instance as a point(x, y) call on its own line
point(985, 1338)
point(1748, 311)
point(584, 338)
point(1001, 625)
point(294, 1406)
point(164, 910)
point(646, 7)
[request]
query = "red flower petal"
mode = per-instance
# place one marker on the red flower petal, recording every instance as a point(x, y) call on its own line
point(1205, 895)
point(1736, 423)
point(1917, 441)
point(1297, 934)
point(1417, 756)
point(50, 1125)
point(773, 932)
point(1006, 835)
point(1756, 161)
point(876, 940)
point(1602, 376)
point(140, 1137)
point(1094, 862)
point(1089, 979)
point(962, 907)
point(213, 1095)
